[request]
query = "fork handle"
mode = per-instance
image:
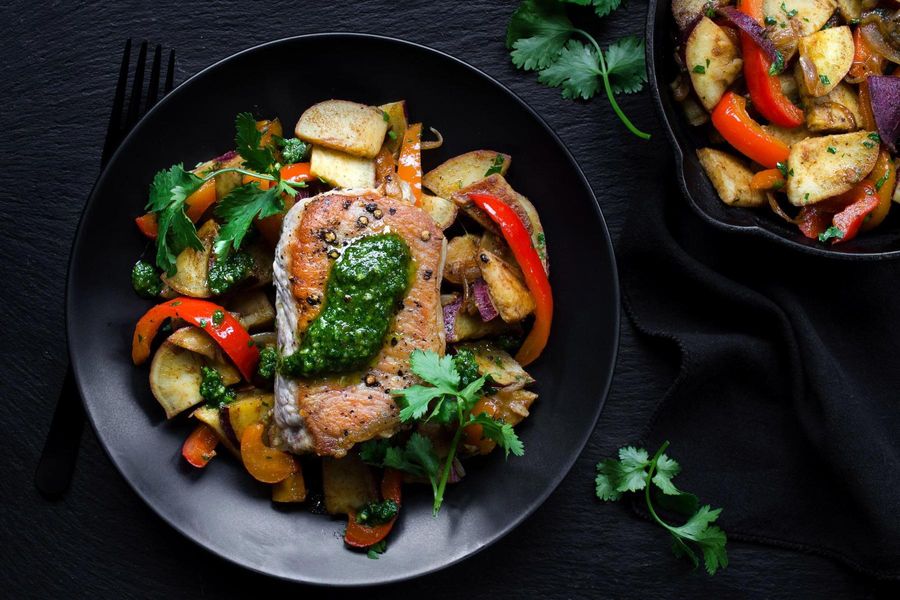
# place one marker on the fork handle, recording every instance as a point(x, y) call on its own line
point(57, 463)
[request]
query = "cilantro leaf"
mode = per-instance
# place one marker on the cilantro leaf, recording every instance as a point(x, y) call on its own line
point(373, 451)
point(626, 65)
point(502, 433)
point(666, 469)
point(175, 231)
point(376, 549)
point(633, 471)
point(439, 371)
point(601, 7)
point(832, 232)
point(609, 476)
point(240, 208)
point(537, 32)
point(576, 71)
point(415, 399)
point(247, 141)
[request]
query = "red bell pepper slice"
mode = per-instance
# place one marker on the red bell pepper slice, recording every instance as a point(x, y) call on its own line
point(765, 89)
point(519, 240)
point(863, 201)
point(363, 536)
point(730, 119)
point(229, 334)
point(200, 446)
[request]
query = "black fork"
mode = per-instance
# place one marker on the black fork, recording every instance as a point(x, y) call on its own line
point(57, 462)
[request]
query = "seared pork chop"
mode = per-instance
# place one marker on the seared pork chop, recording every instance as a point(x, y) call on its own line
point(329, 414)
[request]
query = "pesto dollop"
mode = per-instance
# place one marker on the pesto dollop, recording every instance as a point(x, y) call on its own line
point(377, 513)
point(145, 279)
point(213, 390)
point(226, 272)
point(268, 361)
point(363, 288)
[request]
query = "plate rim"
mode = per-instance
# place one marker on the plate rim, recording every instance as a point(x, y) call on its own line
point(556, 480)
point(650, 32)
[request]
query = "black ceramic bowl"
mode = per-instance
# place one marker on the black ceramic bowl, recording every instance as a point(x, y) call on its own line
point(882, 243)
point(221, 507)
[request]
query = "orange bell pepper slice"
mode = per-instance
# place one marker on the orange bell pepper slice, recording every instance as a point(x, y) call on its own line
point(200, 446)
point(363, 536)
point(769, 179)
point(409, 165)
point(883, 178)
point(519, 241)
point(296, 172)
point(265, 464)
point(196, 203)
point(475, 433)
point(765, 89)
point(730, 119)
point(229, 334)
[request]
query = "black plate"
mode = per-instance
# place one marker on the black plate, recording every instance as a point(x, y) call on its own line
point(881, 243)
point(222, 508)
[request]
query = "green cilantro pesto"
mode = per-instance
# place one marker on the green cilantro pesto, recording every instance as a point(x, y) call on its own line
point(465, 364)
point(145, 279)
point(213, 390)
point(377, 513)
point(226, 272)
point(268, 361)
point(364, 286)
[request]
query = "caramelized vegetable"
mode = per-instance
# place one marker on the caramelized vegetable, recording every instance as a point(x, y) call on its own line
point(265, 464)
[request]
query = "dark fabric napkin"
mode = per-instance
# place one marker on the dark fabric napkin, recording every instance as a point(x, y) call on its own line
point(786, 408)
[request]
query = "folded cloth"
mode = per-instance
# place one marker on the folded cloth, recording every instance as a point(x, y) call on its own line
point(786, 408)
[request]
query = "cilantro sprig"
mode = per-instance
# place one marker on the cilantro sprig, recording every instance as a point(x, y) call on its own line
point(540, 37)
point(172, 187)
point(635, 471)
point(449, 398)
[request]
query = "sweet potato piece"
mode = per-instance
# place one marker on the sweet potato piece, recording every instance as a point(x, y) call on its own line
point(247, 410)
point(340, 169)
point(175, 378)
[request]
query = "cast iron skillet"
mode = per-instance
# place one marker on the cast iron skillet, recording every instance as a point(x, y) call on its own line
point(882, 243)
point(222, 508)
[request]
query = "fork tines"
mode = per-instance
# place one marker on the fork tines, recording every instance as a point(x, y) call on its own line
point(140, 100)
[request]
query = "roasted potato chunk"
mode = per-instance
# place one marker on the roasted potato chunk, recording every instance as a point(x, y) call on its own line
point(849, 9)
point(253, 308)
point(213, 418)
point(508, 293)
point(456, 173)
point(175, 378)
point(731, 178)
point(442, 211)
point(348, 127)
point(822, 167)
point(193, 265)
point(806, 16)
point(247, 410)
point(348, 484)
point(497, 186)
point(342, 170)
point(687, 12)
point(830, 53)
point(836, 112)
point(713, 60)
point(503, 368)
point(396, 115)
point(461, 263)
point(788, 135)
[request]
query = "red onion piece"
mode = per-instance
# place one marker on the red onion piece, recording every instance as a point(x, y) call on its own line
point(748, 25)
point(226, 157)
point(451, 311)
point(885, 97)
point(483, 301)
point(457, 472)
point(875, 38)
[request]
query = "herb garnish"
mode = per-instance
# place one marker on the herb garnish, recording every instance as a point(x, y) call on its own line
point(453, 390)
point(496, 166)
point(539, 37)
point(171, 187)
point(832, 232)
point(635, 471)
point(376, 549)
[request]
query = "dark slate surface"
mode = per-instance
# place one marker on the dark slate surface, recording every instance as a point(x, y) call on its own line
point(58, 69)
